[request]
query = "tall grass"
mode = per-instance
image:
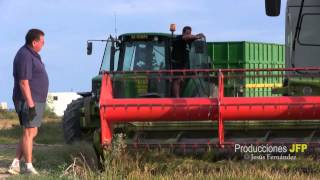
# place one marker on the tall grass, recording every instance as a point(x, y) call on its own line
point(78, 161)
point(120, 163)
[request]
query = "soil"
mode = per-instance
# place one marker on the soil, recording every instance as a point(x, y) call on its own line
point(5, 160)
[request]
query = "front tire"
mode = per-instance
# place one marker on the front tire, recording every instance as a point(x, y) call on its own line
point(71, 121)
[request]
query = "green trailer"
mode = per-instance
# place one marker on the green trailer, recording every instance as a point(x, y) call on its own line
point(248, 55)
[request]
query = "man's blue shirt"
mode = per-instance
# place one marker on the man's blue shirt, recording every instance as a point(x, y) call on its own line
point(28, 65)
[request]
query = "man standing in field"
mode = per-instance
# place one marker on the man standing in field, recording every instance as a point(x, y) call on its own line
point(29, 96)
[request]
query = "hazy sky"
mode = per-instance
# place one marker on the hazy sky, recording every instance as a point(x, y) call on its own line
point(69, 23)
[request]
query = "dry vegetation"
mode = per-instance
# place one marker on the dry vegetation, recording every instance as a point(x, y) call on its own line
point(54, 160)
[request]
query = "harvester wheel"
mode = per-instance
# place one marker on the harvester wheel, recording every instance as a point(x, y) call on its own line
point(71, 121)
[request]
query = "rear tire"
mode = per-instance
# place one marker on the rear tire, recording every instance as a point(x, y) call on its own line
point(71, 121)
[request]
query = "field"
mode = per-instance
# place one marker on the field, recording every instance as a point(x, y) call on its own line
point(54, 159)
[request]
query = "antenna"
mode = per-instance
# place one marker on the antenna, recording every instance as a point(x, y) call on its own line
point(115, 24)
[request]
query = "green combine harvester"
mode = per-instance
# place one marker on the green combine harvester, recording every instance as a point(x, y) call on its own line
point(131, 57)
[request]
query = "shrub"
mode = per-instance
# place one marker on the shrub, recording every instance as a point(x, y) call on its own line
point(8, 114)
point(49, 113)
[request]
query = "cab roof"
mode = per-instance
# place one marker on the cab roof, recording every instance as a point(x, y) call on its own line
point(168, 35)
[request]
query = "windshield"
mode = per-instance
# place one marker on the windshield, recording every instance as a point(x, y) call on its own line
point(105, 65)
point(310, 28)
point(144, 55)
point(307, 44)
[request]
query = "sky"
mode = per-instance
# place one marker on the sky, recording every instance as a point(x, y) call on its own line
point(68, 24)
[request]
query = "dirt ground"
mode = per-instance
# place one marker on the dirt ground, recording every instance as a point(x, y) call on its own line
point(7, 153)
point(5, 160)
point(49, 137)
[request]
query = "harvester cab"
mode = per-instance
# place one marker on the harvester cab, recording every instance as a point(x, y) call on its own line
point(146, 51)
point(135, 52)
point(302, 44)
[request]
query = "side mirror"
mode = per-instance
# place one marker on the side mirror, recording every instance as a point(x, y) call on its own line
point(89, 48)
point(273, 7)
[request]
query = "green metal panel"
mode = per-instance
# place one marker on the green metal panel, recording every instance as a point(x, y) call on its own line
point(249, 55)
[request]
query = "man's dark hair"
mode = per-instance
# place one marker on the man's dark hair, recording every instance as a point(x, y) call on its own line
point(32, 35)
point(186, 28)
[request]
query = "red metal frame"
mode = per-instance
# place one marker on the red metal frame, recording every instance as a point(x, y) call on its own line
point(115, 110)
point(220, 115)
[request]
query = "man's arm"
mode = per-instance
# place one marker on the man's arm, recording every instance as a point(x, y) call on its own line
point(25, 89)
point(191, 37)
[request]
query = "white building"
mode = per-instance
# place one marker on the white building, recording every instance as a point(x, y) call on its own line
point(3, 106)
point(58, 101)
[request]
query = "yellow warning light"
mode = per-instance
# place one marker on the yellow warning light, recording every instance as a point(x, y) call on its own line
point(172, 27)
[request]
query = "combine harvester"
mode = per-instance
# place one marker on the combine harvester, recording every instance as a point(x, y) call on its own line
point(252, 95)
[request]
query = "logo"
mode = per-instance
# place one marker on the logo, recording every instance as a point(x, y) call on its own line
point(270, 152)
point(295, 148)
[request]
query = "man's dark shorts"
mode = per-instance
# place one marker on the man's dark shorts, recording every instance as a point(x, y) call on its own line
point(22, 111)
